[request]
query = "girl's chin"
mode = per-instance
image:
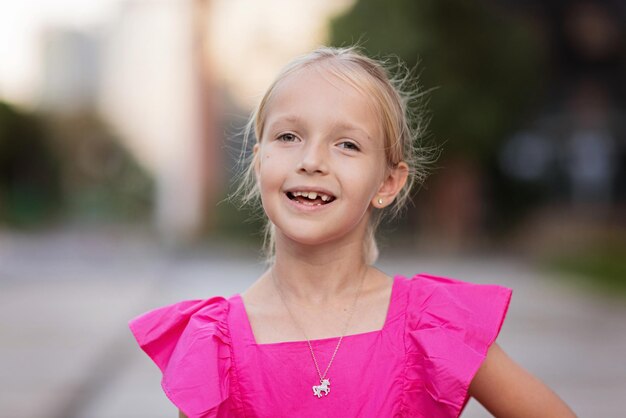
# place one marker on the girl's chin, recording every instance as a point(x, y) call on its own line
point(309, 240)
point(314, 231)
point(315, 237)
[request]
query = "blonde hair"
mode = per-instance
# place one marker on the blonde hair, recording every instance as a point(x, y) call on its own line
point(397, 100)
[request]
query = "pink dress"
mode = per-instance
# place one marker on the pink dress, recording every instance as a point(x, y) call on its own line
point(420, 364)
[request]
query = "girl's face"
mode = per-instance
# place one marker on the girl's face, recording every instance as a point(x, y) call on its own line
point(320, 163)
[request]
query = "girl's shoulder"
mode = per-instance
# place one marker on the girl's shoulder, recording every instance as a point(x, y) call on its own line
point(473, 311)
point(190, 343)
point(158, 330)
point(449, 326)
point(430, 290)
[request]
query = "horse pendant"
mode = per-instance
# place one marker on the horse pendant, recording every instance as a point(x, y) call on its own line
point(323, 387)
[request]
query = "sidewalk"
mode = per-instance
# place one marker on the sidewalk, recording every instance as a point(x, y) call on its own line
point(66, 298)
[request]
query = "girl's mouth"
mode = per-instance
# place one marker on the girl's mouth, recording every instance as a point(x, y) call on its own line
point(310, 198)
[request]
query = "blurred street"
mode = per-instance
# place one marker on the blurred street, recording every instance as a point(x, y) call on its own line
point(66, 297)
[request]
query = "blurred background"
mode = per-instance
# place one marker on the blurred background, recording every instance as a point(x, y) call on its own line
point(120, 132)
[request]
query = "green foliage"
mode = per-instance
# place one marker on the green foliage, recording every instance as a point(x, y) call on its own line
point(54, 167)
point(484, 62)
point(30, 183)
point(601, 267)
point(102, 181)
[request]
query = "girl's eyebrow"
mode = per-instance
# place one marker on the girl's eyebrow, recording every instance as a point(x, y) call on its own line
point(286, 118)
point(283, 118)
point(349, 127)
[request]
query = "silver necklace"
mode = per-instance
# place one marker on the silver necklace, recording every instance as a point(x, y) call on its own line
point(324, 385)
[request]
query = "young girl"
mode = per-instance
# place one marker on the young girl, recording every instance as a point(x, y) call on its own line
point(323, 333)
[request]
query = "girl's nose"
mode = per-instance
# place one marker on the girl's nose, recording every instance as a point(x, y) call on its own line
point(313, 159)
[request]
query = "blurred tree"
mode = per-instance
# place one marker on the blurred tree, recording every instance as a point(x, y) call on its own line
point(101, 180)
point(30, 191)
point(54, 167)
point(483, 60)
point(486, 65)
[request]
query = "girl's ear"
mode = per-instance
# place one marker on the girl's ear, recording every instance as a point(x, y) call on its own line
point(393, 183)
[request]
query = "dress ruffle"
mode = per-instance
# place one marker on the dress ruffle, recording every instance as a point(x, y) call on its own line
point(190, 343)
point(450, 326)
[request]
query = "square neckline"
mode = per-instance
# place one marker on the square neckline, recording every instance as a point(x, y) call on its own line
point(250, 333)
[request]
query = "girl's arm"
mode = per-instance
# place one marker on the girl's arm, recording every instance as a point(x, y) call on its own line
point(509, 391)
point(181, 415)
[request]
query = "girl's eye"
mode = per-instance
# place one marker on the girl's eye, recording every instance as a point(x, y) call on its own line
point(349, 145)
point(287, 138)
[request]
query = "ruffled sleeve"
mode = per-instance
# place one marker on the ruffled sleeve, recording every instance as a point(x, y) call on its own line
point(190, 343)
point(450, 326)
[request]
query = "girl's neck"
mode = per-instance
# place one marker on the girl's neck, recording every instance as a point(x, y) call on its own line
point(315, 275)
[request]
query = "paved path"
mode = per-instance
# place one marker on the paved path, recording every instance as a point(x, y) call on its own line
point(66, 297)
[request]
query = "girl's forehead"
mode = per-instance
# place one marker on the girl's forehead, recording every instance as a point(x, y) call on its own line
point(317, 74)
point(318, 85)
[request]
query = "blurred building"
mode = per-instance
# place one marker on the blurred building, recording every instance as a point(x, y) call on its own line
point(70, 63)
point(576, 144)
point(152, 92)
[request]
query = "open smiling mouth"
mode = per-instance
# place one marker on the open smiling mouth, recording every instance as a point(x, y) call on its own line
point(311, 198)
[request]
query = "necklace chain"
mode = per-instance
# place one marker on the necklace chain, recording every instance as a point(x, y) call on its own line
point(358, 293)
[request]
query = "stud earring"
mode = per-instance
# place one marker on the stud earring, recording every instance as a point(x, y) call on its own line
point(380, 201)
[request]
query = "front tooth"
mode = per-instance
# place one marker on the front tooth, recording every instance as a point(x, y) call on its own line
point(312, 195)
point(305, 194)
